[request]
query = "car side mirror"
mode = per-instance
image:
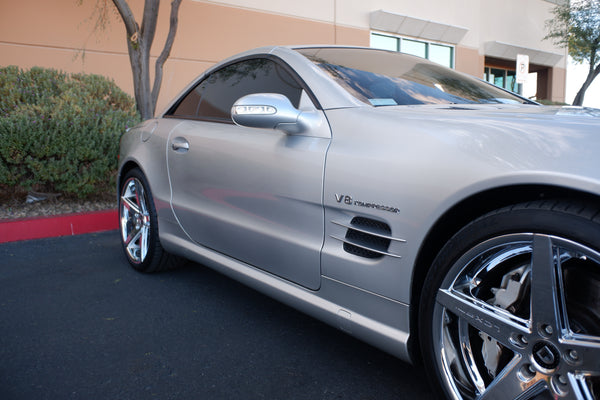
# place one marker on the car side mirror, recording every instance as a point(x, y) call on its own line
point(272, 111)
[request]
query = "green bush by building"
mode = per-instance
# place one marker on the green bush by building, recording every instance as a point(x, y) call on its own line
point(59, 132)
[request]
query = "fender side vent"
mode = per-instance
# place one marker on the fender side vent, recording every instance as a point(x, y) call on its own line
point(369, 239)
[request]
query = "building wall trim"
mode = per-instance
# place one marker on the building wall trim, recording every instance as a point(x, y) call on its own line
point(419, 28)
point(509, 52)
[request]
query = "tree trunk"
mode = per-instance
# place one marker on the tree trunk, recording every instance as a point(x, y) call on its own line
point(141, 79)
point(139, 43)
point(593, 73)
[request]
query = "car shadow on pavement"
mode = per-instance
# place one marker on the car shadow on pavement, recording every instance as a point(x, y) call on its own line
point(77, 322)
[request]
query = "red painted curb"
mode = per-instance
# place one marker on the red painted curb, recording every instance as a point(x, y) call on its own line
point(60, 225)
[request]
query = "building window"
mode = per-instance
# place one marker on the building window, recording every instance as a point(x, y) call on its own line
point(504, 78)
point(436, 52)
point(413, 47)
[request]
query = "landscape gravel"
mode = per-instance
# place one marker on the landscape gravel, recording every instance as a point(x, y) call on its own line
point(18, 207)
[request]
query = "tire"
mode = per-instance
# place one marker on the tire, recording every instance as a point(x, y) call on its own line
point(511, 305)
point(138, 225)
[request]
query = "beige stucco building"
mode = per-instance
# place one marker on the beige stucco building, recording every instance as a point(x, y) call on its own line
point(478, 37)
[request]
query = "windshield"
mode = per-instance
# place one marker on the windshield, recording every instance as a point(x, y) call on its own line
point(385, 78)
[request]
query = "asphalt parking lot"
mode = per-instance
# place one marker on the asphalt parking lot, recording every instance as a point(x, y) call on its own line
point(76, 322)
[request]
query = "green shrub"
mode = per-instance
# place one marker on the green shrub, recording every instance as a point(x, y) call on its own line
point(59, 132)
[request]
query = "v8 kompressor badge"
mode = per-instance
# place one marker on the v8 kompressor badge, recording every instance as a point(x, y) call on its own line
point(346, 199)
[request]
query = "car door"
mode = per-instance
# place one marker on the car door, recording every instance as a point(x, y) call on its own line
point(252, 194)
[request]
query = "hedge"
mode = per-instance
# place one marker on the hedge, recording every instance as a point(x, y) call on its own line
point(60, 132)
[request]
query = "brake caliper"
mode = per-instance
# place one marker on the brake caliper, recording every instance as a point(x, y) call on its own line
point(508, 297)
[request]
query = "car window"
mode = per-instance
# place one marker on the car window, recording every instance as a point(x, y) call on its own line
point(382, 78)
point(214, 96)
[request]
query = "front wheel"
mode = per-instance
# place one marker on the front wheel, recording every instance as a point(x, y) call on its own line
point(511, 306)
point(139, 226)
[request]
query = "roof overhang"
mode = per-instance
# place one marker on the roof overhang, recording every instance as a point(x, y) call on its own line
point(509, 51)
point(419, 28)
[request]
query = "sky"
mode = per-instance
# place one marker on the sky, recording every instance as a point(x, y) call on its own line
point(576, 74)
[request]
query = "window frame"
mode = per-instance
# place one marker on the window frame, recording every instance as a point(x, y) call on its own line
point(487, 71)
point(427, 43)
point(294, 75)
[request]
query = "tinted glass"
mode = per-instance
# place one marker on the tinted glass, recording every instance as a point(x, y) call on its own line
point(214, 96)
point(383, 78)
point(188, 107)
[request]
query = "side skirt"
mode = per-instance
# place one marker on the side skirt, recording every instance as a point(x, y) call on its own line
point(391, 337)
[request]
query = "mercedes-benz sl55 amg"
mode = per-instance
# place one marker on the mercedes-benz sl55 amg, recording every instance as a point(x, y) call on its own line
point(429, 213)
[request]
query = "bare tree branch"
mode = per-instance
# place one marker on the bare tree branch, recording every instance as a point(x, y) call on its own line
point(149, 21)
point(162, 58)
point(127, 16)
point(139, 44)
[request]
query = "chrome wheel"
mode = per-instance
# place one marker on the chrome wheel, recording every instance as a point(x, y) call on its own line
point(517, 316)
point(134, 220)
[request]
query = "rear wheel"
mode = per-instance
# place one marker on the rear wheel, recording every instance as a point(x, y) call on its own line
point(511, 306)
point(139, 226)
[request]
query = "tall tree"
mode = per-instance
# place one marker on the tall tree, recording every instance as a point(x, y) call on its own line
point(576, 25)
point(139, 43)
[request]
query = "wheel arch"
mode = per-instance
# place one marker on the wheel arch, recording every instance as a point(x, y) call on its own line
point(461, 214)
point(125, 168)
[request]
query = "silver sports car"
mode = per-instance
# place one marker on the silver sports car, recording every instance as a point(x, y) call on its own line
point(426, 212)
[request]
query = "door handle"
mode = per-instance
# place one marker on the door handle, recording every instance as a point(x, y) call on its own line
point(180, 145)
